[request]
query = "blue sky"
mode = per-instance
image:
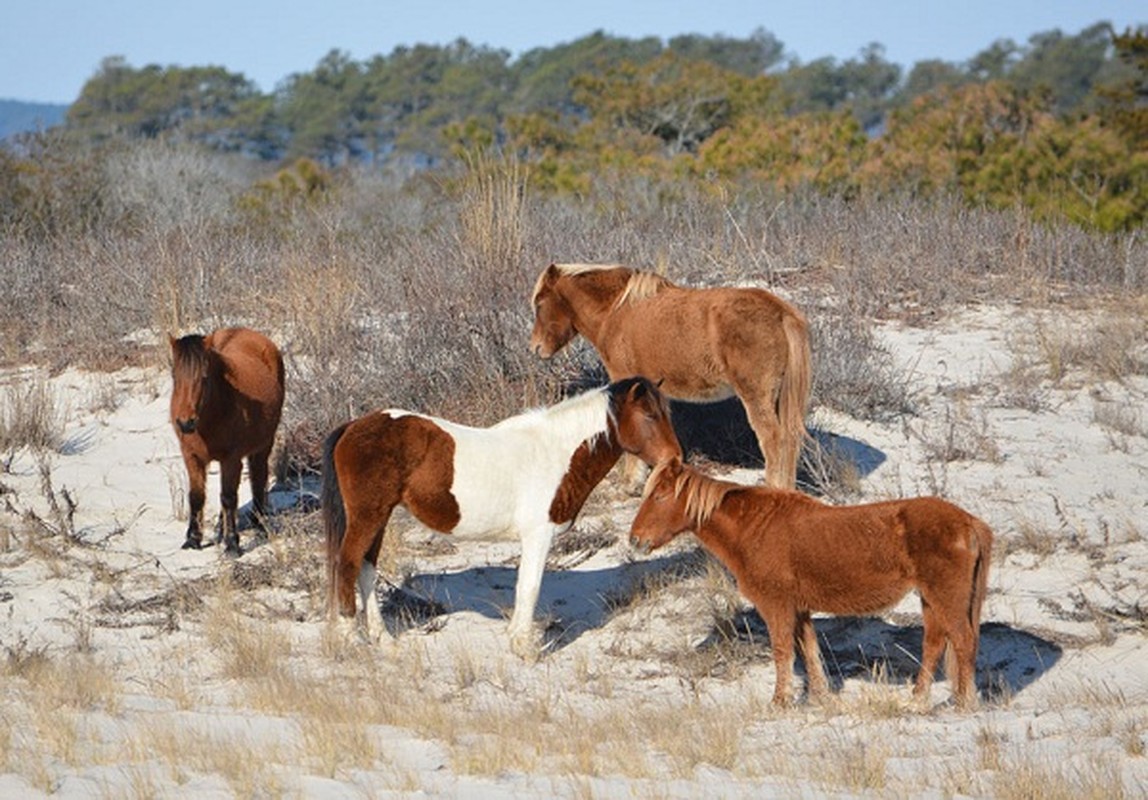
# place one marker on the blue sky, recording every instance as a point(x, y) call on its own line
point(50, 48)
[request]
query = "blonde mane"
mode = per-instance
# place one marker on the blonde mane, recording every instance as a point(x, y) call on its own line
point(702, 494)
point(640, 286)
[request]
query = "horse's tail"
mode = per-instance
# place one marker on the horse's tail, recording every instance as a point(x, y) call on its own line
point(983, 538)
point(793, 397)
point(981, 543)
point(334, 513)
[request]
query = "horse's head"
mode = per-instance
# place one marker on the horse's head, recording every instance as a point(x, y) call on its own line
point(642, 420)
point(189, 378)
point(662, 514)
point(553, 316)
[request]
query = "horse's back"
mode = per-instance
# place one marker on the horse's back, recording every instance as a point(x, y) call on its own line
point(698, 339)
point(255, 365)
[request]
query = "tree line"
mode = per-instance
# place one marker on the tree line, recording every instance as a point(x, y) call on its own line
point(1056, 124)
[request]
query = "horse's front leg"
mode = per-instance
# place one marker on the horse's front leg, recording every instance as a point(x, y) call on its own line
point(196, 495)
point(524, 639)
point(230, 470)
point(781, 620)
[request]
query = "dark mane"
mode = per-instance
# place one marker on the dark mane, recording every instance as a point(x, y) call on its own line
point(189, 357)
point(618, 389)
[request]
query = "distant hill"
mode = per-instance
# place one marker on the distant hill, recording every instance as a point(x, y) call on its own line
point(18, 117)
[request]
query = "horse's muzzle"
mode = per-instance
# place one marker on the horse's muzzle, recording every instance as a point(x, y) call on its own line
point(186, 425)
point(540, 349)
point(641, 545)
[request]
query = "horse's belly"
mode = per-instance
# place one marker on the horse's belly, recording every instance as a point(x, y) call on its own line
point(697, 391)
point(479, 524)
point(858, 598)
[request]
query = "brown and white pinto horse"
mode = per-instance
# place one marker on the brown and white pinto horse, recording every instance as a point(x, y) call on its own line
point(702, 345)
point(529, 475)
point(226, 400)
point(793, 555)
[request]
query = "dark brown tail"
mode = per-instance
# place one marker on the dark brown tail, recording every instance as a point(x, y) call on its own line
point(334, 514)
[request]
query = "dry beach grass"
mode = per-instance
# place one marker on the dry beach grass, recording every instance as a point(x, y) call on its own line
point(971, 354)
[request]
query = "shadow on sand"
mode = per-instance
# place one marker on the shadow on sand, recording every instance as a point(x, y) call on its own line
point(720, 432)
point(1008, 661)
point(570, 602)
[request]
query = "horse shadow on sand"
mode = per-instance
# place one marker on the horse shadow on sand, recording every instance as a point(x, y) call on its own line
point(286, 499)
point(571, 602)
point(720, 432)
point(1008, 660)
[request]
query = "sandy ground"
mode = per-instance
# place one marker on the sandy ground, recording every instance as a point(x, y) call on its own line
point(134, 668)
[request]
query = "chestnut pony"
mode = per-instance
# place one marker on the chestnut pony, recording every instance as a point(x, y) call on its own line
point(792, 555)
point(528, 475)
point(702, 344)
point(226, 400)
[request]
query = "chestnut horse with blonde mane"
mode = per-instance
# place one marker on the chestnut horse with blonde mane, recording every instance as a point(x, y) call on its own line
point(226, 400)
point(528, 475)
point(702, 345)
point(792, 555)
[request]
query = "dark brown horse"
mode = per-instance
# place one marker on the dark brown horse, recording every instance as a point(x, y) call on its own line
point(793, 555)
point(701, 344)
point(226, 400)
point(528, 475)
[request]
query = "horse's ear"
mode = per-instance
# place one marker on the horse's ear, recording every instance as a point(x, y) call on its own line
point(171, 340)
point(638, 390)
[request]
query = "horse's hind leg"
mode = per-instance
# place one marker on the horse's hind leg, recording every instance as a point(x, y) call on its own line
point(759, 400)
point(817, 684)
point(356, 566)
point(932, 648)
point(258, 474)
point(368, 579)
point(962, 673)
point(230, 471)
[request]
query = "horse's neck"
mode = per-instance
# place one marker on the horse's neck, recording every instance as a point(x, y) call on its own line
point(592, 305)
point(566, 426)
point(588, 466)
point(221, 388)
point(740, 524)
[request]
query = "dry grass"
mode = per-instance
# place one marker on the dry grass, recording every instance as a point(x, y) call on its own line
point(1071, 349)
point(961, 434)
point(1028, 777)
point(31, 415)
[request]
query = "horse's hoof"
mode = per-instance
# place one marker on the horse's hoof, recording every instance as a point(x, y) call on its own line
point(527, 647)
point(191, 544)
